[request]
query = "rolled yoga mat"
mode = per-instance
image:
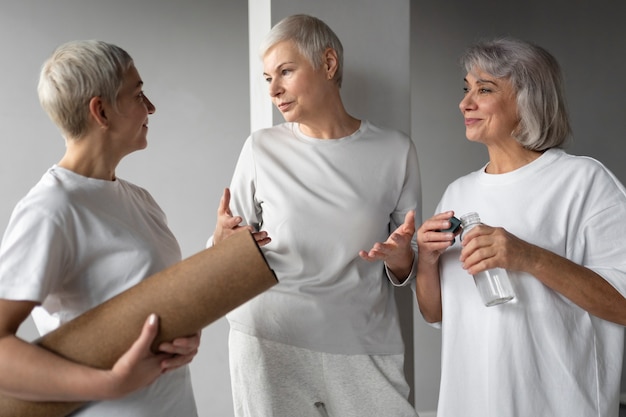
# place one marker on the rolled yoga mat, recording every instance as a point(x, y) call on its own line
point(187, 297)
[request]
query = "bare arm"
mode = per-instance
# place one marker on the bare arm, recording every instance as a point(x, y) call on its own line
point(486, 247)
point(431, 244)
point(30, 372)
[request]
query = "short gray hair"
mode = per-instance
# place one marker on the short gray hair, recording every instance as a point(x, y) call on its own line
point(312, 37)
point(76, 72)
point(536, 78)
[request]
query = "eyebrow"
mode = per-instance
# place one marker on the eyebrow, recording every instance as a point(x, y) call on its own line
point(279, 66)
point(482, 81)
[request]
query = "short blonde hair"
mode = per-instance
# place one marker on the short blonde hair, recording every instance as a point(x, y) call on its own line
point(76, 72)
point(312, 37)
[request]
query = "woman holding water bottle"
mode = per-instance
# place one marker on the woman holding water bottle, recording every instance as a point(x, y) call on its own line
point(554, 224)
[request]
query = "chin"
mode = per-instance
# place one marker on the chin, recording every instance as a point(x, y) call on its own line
point(473, 138)
point(141, 144)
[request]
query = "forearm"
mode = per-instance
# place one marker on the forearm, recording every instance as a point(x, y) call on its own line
point(428, 291)
point(581, 285)
point(402, 268)
point(32, 373)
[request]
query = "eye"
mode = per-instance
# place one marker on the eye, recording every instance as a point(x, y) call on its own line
point(268, 79)
point(285, 71)
point(484, 91)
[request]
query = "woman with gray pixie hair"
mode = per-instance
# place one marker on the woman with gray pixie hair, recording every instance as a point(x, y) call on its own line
point(324, 186)
point(556, 348)
point(81, 236)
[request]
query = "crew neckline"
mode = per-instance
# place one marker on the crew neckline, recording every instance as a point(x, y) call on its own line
point(77, 176)
point(530, 168)
point(295, 128)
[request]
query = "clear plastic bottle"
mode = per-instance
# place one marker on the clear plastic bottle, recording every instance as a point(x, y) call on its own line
point(493, 285)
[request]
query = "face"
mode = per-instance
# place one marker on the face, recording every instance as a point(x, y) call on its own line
point(296, 88)
point(129, 122)
point(489, 108)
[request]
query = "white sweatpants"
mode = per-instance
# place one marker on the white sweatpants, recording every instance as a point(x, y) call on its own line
point(272, 379)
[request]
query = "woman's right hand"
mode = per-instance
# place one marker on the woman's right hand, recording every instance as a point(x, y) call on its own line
point(227, 224)
point(431, 242)
point(138, 367)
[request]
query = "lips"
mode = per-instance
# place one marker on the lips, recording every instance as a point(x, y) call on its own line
point(284, 106)
point(471, 121)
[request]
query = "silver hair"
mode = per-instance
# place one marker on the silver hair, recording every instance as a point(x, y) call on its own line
point(537, 80)
point(76, 72)
point(312, 37)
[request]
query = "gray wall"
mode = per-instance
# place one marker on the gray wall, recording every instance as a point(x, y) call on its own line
point(193, 57)
point(589, 40)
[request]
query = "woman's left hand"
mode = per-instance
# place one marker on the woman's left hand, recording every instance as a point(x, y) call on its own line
point(486, 247)
point(396, 251)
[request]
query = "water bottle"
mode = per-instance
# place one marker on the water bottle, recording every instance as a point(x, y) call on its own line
point(493, 285)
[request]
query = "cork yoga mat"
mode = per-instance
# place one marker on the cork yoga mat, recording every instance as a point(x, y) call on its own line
point(187, 297)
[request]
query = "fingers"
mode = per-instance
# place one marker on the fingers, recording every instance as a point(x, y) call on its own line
point(175, 362)
point(182, 345)
point(225, 219)
point(430, 233)
point(138, 366)
point(375, 254)
point(227, 224)
point(149, 331)
point(487, 247)
point(224, 207)
point(397, 244)
point(181, 350)
point(409, 222)
point(261, 238)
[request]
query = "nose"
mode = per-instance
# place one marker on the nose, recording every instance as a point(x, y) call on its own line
point(467, 102)
point(274, 88)
point(149, 105)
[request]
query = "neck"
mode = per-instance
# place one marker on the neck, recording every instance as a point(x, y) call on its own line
point(85, 157)
point(331, 130)
point(507, 159)
point(331, 121)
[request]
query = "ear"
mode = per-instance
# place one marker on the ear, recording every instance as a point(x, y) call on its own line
point(98, 112)
point(330, 62)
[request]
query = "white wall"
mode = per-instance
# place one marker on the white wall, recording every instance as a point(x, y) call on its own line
point(588, 39)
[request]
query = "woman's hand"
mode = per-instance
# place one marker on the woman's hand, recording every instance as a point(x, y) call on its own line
point(227, 224)
point(138, 367)
point(431, 242)
point(486, 247)
point(396, 251)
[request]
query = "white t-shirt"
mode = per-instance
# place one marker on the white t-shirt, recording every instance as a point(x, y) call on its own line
point(539, 355)
point(322, 201)
point(72, 243)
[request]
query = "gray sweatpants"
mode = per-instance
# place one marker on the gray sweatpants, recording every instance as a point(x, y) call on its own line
point(271, 379)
